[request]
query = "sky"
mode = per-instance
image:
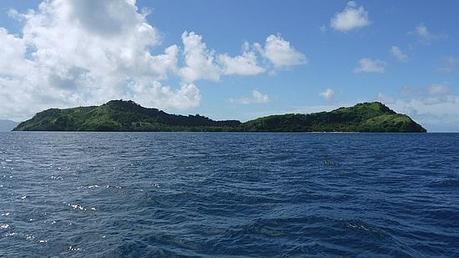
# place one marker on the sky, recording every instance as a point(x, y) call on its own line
point(232, 59)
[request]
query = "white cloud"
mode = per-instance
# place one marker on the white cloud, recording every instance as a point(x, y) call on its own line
point(107, 17)
point(12, 61)
point(398, 53)
point(245, 64)
point(69, 54)
point(187, 96)
point(368, 65)
point(81, 52)
point(256, 98)
point(203, 63)
point(425, 35)
point(434, 115)
point(447, 108)
point(433, 106)
point(422, 31)
point(280, 52)
point(449, 64)
point(351, 18)
point(327, 94)
point(200, 61)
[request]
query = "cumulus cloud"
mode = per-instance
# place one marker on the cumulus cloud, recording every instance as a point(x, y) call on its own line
point(186, 96)
point(280, 52)
point(351, 18)
point(106, 17)
point(204, 63)
point(13, 51)
point(200, 61)
point(327, 94)
point(368, 65)
point(245, 64)
point(256, 98)
point(81, 52)
point(398, 53)
point(68, 55)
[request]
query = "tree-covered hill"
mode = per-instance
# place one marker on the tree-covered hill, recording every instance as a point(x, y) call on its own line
point(118, 115)
point(364, 117)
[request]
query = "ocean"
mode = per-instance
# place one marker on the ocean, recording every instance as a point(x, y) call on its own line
point(229, 195)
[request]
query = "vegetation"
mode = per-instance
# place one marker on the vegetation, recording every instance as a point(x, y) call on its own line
point(364, 117)
point(118, 115)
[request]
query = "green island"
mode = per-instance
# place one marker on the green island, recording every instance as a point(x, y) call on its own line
point(127, 116)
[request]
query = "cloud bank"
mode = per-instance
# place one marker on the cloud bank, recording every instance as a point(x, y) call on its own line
point(84, 52)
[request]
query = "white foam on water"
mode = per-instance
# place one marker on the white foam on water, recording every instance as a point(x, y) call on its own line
point(57, 178)
point(73, 248)
point(77, 207)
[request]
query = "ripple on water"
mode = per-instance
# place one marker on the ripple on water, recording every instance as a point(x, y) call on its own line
point(243, 195)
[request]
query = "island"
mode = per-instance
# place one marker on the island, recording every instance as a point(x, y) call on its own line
point(127, 116)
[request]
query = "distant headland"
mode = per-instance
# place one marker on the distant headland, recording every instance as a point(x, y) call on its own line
point(7, 125)
point(127, 116)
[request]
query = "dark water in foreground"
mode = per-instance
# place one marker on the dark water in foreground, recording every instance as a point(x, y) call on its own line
point(219, 194)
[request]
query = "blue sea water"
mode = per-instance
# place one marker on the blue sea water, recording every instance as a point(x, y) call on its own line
point(229, 194)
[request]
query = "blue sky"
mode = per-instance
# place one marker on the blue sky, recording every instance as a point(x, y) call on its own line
point(403, 53)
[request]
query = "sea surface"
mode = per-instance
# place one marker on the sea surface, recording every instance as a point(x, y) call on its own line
point(229, 195)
